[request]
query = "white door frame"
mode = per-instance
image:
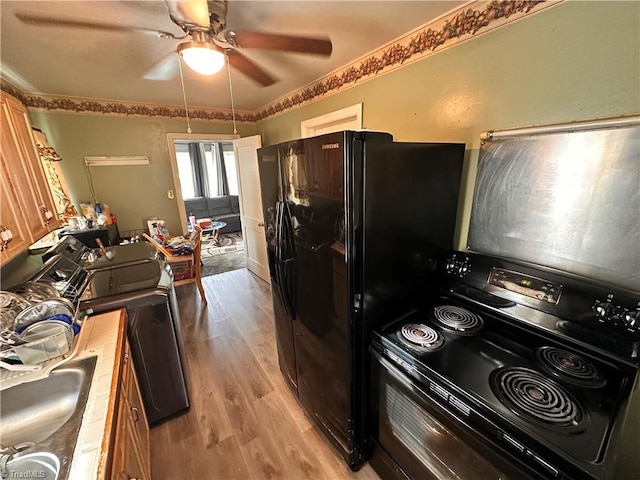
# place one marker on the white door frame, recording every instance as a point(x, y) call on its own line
point(349, 118)
point(192, 137)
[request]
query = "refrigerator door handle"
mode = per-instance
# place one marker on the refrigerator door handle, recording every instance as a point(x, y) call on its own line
point(289, 264)
point(278, 228)
point(278, 249)
point(287, 230)
point(281, 260)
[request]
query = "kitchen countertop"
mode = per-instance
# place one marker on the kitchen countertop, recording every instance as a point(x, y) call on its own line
point(104, 338)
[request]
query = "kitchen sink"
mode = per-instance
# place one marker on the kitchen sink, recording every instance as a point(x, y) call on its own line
point(41, 465)
point(40, 420)
point(32, 411)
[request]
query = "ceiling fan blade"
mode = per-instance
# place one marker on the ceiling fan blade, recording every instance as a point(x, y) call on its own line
point(42, 21)
point(285, 43)
point(164, 69)
point(193, 12)
point(249, 68)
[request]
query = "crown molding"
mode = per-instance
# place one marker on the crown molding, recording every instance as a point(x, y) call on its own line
point(462, 24)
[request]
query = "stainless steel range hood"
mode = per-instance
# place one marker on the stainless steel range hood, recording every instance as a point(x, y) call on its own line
point(566, 197)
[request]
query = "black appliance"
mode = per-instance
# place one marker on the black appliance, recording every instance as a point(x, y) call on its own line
point(509, 370)
point(133, 279)
point(153, 328)
point(94, 259)
point(107, 234)
point(354, 226)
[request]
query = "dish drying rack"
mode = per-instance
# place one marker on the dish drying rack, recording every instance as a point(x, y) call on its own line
point(40, 354)
point(67, 276)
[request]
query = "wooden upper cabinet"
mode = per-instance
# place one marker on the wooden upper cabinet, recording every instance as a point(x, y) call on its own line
point(24, 173)
point(11, 222)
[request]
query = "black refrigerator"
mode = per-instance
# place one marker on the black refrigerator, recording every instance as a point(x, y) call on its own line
point(355, 226)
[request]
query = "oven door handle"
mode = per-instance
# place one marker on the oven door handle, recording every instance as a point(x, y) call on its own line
point(392, 367)
point(395, 366)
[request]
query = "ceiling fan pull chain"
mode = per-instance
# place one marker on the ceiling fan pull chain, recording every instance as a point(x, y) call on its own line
point(233, 108)
point(184, 95)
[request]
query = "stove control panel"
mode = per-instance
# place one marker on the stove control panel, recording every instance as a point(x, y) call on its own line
point(458, 265)
point(609, 312)
point(524, 284)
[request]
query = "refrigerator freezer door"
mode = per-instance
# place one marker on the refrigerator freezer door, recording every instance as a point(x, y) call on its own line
point(314, 212)
point(269, 170)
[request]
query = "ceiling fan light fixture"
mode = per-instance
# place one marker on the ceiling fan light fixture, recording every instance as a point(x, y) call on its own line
point(203, 57)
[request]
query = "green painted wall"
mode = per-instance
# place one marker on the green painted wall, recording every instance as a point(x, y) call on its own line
point(134, 193)
point(576, 61)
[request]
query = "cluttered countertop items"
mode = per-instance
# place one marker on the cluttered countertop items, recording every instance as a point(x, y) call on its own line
point(69, 399)
point(37, 325)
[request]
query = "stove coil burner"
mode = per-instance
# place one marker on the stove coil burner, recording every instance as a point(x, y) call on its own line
point(420, 337)
point(569, 367)
point(536, 398)
point(458, 319)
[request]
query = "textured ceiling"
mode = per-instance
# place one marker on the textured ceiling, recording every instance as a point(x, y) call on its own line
point(89, 63)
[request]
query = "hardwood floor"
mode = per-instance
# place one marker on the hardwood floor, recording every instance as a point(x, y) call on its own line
point(244, 422)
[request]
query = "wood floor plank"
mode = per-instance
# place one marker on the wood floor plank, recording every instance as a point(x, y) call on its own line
point(206, 402)
point(233, 390)
point(262, 460)
point(244, 422)
point(279, 425)
point(327, 455)
point(225, 461)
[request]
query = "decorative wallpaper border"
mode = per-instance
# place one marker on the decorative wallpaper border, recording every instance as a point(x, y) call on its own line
point(442, 33)
point(458, 26)
point(129, 109)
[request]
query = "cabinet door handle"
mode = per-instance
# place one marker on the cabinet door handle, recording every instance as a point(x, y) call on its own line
point(48, 215)
point(5, 237)
point(126, 476)
point(261, 224)
point(135, 414)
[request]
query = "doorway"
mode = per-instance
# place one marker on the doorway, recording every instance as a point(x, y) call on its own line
point(205, 177)
point(249, 203)
point(172, 139)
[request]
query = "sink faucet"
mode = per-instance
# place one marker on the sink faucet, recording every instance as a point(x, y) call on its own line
point(7, 453)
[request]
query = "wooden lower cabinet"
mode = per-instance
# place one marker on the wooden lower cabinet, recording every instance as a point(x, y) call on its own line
point(130, 454)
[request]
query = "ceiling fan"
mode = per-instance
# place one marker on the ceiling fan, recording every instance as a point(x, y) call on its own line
point(207, 39)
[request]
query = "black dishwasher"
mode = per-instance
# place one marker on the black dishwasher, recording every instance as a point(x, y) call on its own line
point(153, 328)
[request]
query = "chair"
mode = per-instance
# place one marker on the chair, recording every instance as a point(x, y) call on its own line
point(194, 258)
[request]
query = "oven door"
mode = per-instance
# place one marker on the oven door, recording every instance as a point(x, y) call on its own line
point(423, 439)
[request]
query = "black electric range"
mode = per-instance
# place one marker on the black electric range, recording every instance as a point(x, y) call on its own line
point(510, 371)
